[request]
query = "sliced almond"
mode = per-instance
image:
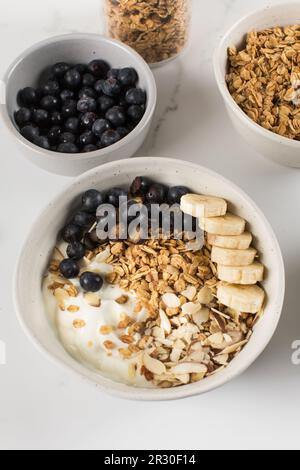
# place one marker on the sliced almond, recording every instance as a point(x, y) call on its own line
point(103, 256)
point(191, 308)
point(153, 365)
point(183, 378)
point(190, 293)
point(221, 359)
point(205, 296)
point(234, 347)
point(165, 322)
point(201, 316)
point(189, 368)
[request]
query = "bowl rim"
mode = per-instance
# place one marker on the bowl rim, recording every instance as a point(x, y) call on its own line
point(223, 88)
point(149, 111)
point(131, 392)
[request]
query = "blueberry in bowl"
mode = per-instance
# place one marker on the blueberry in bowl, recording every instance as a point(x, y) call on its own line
point(67, 84)
point(82, 103)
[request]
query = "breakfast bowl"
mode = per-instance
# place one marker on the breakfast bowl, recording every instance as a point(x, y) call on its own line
point(273, 146)
point(37, 251)
point(29, 67)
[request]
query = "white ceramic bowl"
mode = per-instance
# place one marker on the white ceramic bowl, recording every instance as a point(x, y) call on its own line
point(76, 48)
point(40, 243)
point(279, 149)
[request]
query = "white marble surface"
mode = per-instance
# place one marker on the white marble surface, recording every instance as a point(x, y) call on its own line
point(42, 407)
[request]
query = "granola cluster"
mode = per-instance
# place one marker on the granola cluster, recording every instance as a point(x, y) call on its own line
point(156, 29)
point(188, 334)
point(264, 79)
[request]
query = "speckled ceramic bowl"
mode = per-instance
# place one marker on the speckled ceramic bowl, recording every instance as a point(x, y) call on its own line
point(40, 242)
point(76, 48)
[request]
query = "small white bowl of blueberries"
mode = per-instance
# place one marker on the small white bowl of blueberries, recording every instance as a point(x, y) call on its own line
point(77, 101)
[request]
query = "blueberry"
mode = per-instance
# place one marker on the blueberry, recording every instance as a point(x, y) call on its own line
point(156, 194)
point(136, 96)
point(89, 148)
point(140, 186)
point(84, 219)
point(111, 87)
point(28, 97)
point(100, 126)
point(110, 137)
point(86, 105)
point(88, 119)
point(67, 148)
point(42, 141)
point(69, 109)
point(50, 103)
point(72, 125)
point(41, 117)
point(88, 80)
point(91, 282)
point(76, 251)
point(113, 196)
point(23, 116)
point(123, 131)
point(113, 73)
point(30, 132)
point(105, 103)
point(56, 118)
point(99, 68)
point(98, 86)
point(91, 240)
point(72, 233)
point(116, 116)
point(92, 199)
point(87, 92)
point(175, 194)
point(135, 112)
point(51, 87)
point(128, 76)
point(60, 69)
point(54, 134)
point(72, 79)
point(67, 95)
point(87, 138)
point(69, 268)
point(122, 102)
point(67, 138)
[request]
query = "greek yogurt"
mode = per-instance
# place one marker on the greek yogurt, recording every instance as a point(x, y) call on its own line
point(91, 334)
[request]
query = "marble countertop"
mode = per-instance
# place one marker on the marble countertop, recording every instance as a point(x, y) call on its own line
point(42, 407)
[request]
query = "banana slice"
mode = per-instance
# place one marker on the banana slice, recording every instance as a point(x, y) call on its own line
point(245, 299)
point(228, 224)
point(203, 206)
point(245, 275)
point(237, 242)
point(227, 257)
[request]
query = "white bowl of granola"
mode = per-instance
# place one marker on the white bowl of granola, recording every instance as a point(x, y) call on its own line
point(263, 107)
point(79, 336)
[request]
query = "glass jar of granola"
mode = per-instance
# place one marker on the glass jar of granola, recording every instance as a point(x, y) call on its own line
point(156, 29)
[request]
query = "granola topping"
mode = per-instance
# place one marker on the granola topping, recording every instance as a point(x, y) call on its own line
point(157, 29)
point(264, 79)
